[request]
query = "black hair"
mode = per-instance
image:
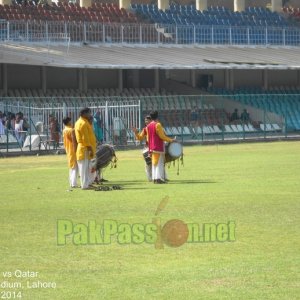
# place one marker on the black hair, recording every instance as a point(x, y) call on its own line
point(154, 115)
point(85, 111)
point(148, 117)
point(66, 120)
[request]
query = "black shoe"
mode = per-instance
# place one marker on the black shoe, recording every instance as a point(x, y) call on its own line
point(159, 181)
point(103, 180)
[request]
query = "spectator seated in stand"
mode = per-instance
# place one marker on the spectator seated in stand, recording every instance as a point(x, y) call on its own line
point(234, 116)
point(245, 118)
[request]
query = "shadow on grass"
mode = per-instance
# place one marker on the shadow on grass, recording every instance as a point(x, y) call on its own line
point(150, 184)
point(136, 188)
point(190, 181)
point(128, 181)
point(125, 183)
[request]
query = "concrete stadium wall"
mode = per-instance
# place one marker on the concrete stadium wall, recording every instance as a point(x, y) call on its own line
point(22, 76)
point(138, 78)
point(182, 76)
point(241, 78)
point(218, 76)
point(254, 78)
point(147, 78)
point(57, 78)
point(292, 3)
point(102, 78)
point(248, 78)
point(283, 77)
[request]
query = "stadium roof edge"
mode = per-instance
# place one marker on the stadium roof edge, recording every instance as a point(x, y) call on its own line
point(151, 57)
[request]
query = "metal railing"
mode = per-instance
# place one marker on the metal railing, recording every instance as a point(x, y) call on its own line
point(93, 32)
point(117, 118)
point(199, 118)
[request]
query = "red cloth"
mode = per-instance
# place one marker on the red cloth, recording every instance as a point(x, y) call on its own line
point(155, 142)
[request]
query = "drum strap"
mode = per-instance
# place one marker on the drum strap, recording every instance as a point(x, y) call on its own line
point(181, 159)
point(174, 163)
point(113, 163)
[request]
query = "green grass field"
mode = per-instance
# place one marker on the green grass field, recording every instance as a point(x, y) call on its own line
point(255, 185)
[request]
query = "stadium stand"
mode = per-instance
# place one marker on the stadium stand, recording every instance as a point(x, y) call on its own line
point(98, 12)
point(98, 92)
point(175, 110)
point(180, 24)
point(107, 22)
point(188, 15)
point(193, 26)
point(145, 13)
point(292, 13)
point(283, 101)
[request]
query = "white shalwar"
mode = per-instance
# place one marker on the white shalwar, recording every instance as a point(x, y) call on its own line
point(84, 171)
point(158, 171)
point(73, 174)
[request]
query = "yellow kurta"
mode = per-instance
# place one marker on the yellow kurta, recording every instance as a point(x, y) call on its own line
point(161, 133)
point(143, 134)
point(84, 137)
point(70, 146)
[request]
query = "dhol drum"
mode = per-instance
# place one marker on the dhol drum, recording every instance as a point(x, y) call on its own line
point(173, 151)
point(105, 154)
point(147, 156)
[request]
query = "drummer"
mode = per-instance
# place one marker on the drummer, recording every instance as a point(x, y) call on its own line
point(141, 136)
point(156, 139)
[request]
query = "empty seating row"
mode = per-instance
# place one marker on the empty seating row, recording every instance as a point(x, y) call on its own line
point(175, 102)
point(215, 129)
point(180, 117)
point(108, 13)
point(97, 92)
point(150, 98)
point(270, 127)
point(188, 15)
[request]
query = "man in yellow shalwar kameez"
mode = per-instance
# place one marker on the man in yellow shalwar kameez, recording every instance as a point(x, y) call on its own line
point(70, 145)
point(85, 147)
point(156, 139)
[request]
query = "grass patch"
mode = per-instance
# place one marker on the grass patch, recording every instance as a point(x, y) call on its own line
point(255, 185)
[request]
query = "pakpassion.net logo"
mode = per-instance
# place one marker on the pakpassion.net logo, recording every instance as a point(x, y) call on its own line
point(173, 233)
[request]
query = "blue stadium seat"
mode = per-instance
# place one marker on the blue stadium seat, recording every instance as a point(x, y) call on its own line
point(283, 101)
point(252, 16)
